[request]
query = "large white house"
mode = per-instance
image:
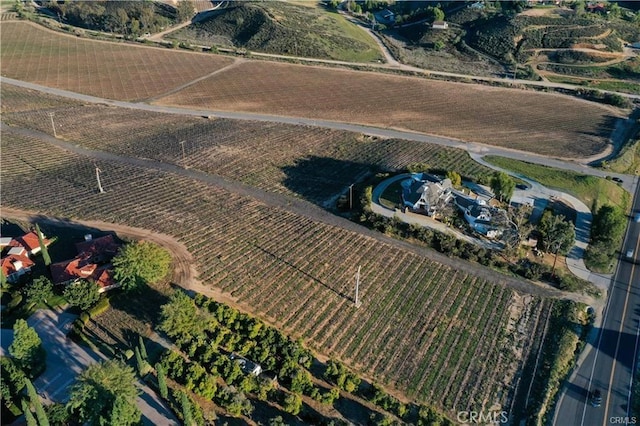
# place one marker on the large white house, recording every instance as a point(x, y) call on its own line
point(425, 193)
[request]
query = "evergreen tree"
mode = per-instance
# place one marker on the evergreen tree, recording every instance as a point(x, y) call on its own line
point(26, 347)
point(186, 409)
point(143, 349)
point(162, 381)
point(139, 362)
point(43, 247)
point(28, 415)
point(37, 404)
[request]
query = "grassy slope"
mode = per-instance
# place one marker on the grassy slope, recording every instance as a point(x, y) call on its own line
point(593, 191)
point(628, 161)
point(290, 29)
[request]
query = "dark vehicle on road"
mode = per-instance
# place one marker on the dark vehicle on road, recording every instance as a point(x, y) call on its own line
point(616, 179)
point(522, 186)
point(596, 398)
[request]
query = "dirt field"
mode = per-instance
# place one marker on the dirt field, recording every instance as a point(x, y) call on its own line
point(109, 70)
point(543, 123)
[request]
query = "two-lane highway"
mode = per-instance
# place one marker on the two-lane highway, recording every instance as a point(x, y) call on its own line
point(609, 366)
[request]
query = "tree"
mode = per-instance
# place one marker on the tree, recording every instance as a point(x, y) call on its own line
point(456, 179)
point(105, 394)
point(39, 291)
point(292, 404)
point(187, 417)
point(162, 381)
point(502, 186)
point(438, 14)
point(185, 10)
point(183, 321)
point(140, 264)
point(37, 404)
point(12, 380)
point(28, 415)
point(143, 349)
point(142, 365)
point(82, 294)
point(558, 234)
point(43, 247)
point(27, 348)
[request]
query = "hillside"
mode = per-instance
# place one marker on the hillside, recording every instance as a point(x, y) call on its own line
point(553, 43)
point(282, 28)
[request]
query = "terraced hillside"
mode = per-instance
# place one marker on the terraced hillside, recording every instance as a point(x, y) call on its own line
point(283, 28)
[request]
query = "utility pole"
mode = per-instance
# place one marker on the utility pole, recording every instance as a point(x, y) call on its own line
point(98, 171)
point(51, 114)
point(358, 287)
point(183, 155)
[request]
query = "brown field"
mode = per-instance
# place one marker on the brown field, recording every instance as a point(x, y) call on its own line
point(434, 332)
point(543, 123)
point(109, 70)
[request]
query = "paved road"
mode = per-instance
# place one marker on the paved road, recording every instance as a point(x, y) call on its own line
point(609, 365)
point(66, 359)
point(628, 181)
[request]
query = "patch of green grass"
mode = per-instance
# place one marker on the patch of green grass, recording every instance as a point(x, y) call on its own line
point(390, 197)
point(613, 85)
point(628, 161)
point(591, 190)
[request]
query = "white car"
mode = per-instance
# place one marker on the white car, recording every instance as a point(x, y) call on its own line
point(630, 254)
point(636, 219)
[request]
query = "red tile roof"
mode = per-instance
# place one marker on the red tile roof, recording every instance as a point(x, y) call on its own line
point(29, 241)
point(9, 264)
point(104, 246)
point(82, 268)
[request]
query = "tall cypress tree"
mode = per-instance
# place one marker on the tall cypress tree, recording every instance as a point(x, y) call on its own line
point(37, 404)
point(186, 410)
point(139, 362)
point(162, 381)
point(28, 415)
point(43, 247)
point(143, 349)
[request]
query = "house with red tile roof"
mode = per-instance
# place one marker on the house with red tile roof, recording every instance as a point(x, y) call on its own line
point(29, 242)
point(92, 263)
point(14, 266)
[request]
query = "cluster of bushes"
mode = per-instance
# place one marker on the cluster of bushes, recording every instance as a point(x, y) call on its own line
point(444, 243)
point(210, 333)
point(126, 17)
point(607, 232)
point(606, 98)
point(563, 342)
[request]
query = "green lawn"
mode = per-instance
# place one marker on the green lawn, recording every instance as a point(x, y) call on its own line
point(390, 197)
point(591, 190)
point(628, 161)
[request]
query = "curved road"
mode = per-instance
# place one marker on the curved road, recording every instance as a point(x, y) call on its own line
point(629, 182)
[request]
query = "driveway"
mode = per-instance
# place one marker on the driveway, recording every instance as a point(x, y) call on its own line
point(66, 359)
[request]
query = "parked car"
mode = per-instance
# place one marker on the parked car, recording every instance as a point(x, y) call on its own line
point(596, 398)
point(616, 179)
point(522, 186)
